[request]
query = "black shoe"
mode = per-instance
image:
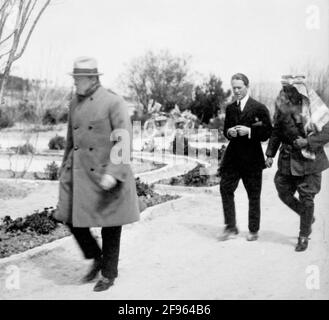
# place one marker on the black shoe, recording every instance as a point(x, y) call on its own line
point(93, 272)
point(103, 284)
point(229, 233)
point(302, 244)
point(252, 236)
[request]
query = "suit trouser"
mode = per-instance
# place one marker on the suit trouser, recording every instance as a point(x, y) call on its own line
point(253, 184)
point(307, 187)
point(109, 254)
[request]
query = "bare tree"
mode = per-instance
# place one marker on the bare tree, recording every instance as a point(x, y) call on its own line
point(18, 19)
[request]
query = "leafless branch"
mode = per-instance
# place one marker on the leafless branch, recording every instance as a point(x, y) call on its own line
point(7, 38)
point(4, 54)
point(31, 30)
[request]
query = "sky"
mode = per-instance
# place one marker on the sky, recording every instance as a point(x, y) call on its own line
point(262, 39)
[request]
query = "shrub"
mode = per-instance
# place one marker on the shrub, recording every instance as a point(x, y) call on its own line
point(50, 117)
point(63, 116)
point(6, 118)
point(143, 189)
point(25, 149)
point(52, 171)
point(180, 145)
point(195, 177)
point(38, 222)
point(27, 112)
point(55, 115)
point(57, 143)
point(139, 116)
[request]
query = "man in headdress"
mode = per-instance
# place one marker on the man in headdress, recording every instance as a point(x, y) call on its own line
point(302, 129)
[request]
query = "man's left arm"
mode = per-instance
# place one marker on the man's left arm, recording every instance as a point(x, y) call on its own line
point(261, 129)
point(121, 137)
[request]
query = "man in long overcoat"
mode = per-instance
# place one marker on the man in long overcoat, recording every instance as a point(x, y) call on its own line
point(247, 124)
point(97, 186)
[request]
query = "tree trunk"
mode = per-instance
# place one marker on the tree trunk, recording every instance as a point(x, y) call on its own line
point(4, 81)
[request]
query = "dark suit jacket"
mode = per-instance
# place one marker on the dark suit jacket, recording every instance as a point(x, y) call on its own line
point(243, 153)
point(291, 160)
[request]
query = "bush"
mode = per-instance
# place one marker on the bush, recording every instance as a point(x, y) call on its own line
point(143, 189)
point(27, 112)
point(54, 116)
point(139, 116)
point(57, 143)
point(25, 149)
point(63, 116)
point(195, 177)
point(180, 145)
point(49, 117)
point(6, 118)
point(52, 171)
point(38, 222)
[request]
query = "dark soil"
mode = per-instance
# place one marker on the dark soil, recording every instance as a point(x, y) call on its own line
point(17, 241)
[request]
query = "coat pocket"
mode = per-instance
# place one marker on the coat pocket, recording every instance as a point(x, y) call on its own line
point(99, 126)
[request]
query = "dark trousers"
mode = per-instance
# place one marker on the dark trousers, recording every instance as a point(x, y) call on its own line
point(307, 187)
point(109, 254)
point(253, 184)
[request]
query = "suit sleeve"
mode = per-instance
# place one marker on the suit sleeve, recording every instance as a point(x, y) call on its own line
point(262, 132)
point(121, 137)
point(227, 122)
point(318, 140)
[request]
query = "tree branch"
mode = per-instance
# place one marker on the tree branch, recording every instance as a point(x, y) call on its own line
point(31, 30)
point(4, 54)
point(7, 38)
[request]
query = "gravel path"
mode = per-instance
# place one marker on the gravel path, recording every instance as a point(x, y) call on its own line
point(174, 253)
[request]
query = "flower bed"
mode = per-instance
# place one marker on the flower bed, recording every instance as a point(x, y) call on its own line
point(39, 228)
point(197, 177)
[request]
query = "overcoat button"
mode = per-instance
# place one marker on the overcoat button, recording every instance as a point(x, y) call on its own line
point(76, 148)
point(91, 149)
point(92, 169)
point(90, 127)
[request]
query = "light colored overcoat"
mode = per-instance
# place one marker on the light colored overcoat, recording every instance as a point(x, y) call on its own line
point(99, 138)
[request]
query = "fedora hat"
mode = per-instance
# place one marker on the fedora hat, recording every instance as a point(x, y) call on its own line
point(85, 66)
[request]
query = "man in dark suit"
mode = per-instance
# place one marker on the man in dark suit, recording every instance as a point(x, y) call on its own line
point(295, 171)
point(247, 123)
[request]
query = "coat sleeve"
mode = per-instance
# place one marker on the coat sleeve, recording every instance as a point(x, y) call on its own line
point(318, 140)
point(262, 132)
point(69, 138)
point(275, 139)
point(121, 137)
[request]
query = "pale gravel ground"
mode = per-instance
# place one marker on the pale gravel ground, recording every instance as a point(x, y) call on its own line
point(175, 254)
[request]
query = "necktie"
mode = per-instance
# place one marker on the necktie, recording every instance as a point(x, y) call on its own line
point(238, 103)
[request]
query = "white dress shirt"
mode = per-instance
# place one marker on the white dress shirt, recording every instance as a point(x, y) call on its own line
point(243, 101)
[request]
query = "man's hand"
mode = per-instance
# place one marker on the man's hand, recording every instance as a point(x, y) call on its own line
point(269, 162)
point(242, 130)
point(300, 142)
point(108, 182)
point(232, 132)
